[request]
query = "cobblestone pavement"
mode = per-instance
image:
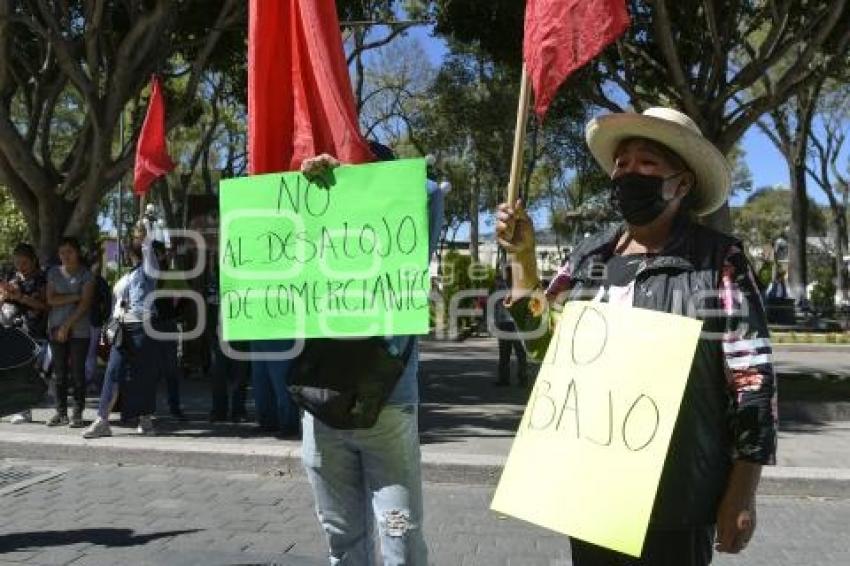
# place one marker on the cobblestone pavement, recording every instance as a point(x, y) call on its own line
point(110, 514)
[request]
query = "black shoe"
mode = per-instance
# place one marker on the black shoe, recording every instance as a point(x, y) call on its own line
point(77, 420)
point(217, 418)
point(58, 419)
point(236, 419)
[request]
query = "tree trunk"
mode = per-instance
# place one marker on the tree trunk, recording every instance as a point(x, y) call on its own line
point(473, 219)
point(52, 220)
point(797, 272)
point(167, 201)
point(841, 274)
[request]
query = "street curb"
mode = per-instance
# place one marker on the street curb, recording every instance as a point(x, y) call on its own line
point(284, 459)
point(813, 411)
point(809, 347)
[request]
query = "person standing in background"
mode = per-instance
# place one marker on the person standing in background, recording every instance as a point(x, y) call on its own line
point(507, 336)
point(23, 296)
point(167, 317)
point(132, 366)
point(99, 312)
point(275, 410)
point(70, 289)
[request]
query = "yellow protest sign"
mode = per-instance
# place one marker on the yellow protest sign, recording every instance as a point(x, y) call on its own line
point(588, 454)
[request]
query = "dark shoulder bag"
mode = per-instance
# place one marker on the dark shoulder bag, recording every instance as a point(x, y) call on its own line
point(345, 383)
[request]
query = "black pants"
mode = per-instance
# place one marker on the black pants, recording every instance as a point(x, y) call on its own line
point(662, 548)
point(69, 364)
point(505, 347)
point(134, 367)
point(229, 381)
point(169, 363)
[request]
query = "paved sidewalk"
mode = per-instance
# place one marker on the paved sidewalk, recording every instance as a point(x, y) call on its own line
point(142, 515)
point(467, 426)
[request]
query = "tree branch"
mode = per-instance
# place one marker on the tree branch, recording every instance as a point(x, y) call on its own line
point(46, 122)
point(94, 22)
point(19, 157)
point(718, 60)
point(663, 31)
point(231, 12)
point(64, 52)
point(771, 135)
point(396, 31)
point(136, 47)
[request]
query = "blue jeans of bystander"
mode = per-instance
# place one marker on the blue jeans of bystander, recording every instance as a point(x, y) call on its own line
point(367, 475)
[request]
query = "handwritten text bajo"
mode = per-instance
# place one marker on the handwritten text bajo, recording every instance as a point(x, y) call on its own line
point(633, 422)
point(633, 419)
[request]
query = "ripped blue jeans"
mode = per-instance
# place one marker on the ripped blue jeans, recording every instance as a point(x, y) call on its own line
point(368, 476)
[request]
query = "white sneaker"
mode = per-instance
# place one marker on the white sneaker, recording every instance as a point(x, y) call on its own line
point(145, 426)
point(99, 428)
point(22, 417)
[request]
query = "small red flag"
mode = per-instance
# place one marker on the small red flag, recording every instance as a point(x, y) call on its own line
point(300, 101)
point(152, 160)
point(562, 36)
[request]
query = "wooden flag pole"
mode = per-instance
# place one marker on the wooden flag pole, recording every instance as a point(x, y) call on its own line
point(142, 201)
point(519, 137)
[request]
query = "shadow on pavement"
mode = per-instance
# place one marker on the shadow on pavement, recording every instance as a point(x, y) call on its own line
point(802, 426)
point(460, 400)
point(102, 537)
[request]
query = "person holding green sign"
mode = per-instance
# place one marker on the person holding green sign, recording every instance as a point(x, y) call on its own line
point(664, 176)
point(365, 476)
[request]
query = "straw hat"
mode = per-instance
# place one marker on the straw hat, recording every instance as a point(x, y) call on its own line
point(677, 132)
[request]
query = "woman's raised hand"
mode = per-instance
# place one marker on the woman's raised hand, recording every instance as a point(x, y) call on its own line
point(514, 230)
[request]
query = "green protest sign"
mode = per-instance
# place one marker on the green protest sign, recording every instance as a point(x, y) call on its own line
point(346, 257)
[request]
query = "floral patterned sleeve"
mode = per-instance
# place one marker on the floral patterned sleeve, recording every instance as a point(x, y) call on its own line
point(534, 316)
point(748, 360)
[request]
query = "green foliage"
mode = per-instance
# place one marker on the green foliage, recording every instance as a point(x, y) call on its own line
point(767, 215)
point(467, 119)
point(496, 26)
point(13, 227)
point(823, 290)
point(694, 55)
point(765, 274)
point(460, 274)
point(75, 72)
point(742, 177)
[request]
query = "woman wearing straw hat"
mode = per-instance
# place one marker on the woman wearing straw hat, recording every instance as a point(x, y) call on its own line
point(664, 176)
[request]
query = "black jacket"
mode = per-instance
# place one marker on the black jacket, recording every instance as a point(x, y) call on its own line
point(684, 279)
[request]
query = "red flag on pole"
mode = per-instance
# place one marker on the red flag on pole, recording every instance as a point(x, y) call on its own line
point(300, 102)
point(152, 160)
point(562, 36)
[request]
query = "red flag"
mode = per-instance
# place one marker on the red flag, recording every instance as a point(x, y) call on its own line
point(563, 35)
point(300, 101)
point(152, 160)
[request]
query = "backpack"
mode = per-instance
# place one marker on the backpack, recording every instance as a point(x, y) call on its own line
point(101, 307)
point(345, 383)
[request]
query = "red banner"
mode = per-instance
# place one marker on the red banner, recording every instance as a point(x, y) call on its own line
point(300, 101)
point(563, 35)
point(152, 160)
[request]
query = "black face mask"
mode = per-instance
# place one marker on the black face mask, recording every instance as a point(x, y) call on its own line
point(638, 197)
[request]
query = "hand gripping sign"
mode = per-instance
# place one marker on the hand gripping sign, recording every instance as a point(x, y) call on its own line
point(589, 451)
point(345, 258)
